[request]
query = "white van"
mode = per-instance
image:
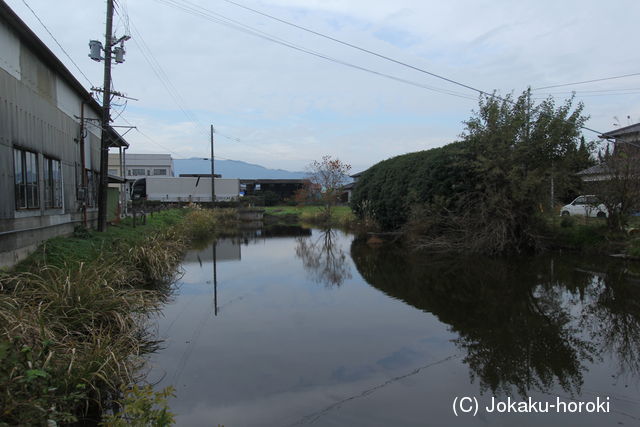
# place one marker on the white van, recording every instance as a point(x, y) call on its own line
point(586, 206)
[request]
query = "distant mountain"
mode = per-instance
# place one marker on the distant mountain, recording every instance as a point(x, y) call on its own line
point(233, 169)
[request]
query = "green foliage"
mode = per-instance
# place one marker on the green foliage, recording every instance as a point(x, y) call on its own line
point(388, 190)
point(588, 238)
point(341, 216)
point(270, 198)
point(567, 222)
point(486, 192)
point(141, 407)
point(634, 248)
point(73, 316)
point(30, 389)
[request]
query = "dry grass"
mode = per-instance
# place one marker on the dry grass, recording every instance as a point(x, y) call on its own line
point(71, 334)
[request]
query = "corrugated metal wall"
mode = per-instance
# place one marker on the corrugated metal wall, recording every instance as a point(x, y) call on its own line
point(35, 123)
point(30, 118)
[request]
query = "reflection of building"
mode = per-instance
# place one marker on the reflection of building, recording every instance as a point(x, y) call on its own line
point(226, 250)
point(49, 143)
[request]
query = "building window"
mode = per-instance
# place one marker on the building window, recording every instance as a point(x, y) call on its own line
point(25, 165)
point(52, 183)
point(137, 172)
point(159, 171)
point(113, 172)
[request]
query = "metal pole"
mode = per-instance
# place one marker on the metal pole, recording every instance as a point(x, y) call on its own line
point(84, 168)
point(104, 143)
point(213, 175)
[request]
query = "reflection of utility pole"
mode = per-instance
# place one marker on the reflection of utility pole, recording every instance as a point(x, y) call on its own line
point(213, 175)
point(553, 196)
point(215, 280)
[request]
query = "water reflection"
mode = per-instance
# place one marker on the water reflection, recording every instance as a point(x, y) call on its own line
point(323, 259)
point(524, 325)
point(613, 320)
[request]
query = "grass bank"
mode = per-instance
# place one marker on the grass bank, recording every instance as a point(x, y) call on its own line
point(591, 235)
point(73, 315)
point(341, 216)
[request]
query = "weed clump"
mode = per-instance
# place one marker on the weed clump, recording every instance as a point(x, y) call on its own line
point(74, 316)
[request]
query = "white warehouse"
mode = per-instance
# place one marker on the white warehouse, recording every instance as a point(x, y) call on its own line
point(137, 166)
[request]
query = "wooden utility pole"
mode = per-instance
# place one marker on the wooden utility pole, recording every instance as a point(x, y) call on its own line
point(213, 175)
point(104, 143)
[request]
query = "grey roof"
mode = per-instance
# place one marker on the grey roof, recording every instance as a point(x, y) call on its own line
point(593, 170)
point(622, 131)
point(115, 139)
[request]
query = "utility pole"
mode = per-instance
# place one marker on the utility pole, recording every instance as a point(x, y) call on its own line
point(213, 175)
point(106, 103)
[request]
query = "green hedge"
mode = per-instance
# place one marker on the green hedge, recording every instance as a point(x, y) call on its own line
point(387, 190)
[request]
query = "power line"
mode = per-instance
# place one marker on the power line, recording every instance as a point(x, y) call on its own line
point(163, 77)
point(58, 43)
point(353, 46)
point(221, 19)
point(587, 81)
point(153, 141)
point(626, 90)
point(579, 94)
point(173, 92)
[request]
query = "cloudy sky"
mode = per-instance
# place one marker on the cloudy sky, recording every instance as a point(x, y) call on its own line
point(195, 63)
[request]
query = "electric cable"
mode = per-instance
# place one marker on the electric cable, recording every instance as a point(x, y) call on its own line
point(58, 43)
point(223, 20)
point(587, 81)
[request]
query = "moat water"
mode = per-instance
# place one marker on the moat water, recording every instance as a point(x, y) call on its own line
point(294, 327)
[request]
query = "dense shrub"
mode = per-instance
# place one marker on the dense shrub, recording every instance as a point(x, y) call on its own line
point(486, 192)
point(389, 189)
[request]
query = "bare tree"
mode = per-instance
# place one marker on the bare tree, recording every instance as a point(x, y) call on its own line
point(329, 175)
point(619, 187)
point(324, 258)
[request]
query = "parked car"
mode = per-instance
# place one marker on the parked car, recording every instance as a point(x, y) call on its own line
point(588, 205)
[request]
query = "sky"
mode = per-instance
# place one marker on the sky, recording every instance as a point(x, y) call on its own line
point(195, 63)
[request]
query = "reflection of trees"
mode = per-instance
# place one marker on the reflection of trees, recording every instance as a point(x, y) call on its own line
point(514, 317)
point(614, 318)
point(323, 258)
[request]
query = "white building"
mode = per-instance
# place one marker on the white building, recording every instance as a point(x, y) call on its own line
point(141, 165)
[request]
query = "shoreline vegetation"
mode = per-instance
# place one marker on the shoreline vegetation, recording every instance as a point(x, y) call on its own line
point(577, 234)
point(74, 316)
point(315, 215)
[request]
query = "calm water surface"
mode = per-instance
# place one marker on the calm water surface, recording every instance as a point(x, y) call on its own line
point(296, 327)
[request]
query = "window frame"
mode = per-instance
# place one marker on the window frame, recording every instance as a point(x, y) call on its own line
point(53, 196)
point(26, 186)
